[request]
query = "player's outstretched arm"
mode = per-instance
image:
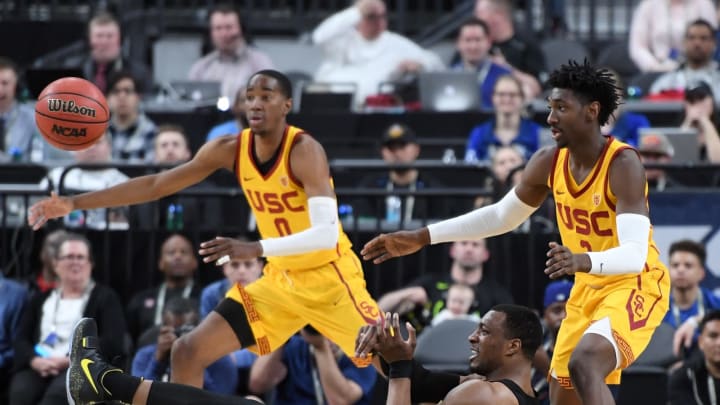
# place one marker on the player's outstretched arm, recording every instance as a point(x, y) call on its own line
point(503, 216)
point(216, 154)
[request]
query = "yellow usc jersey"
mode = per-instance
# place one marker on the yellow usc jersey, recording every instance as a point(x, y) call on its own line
point(279, 202)
point(586, 211)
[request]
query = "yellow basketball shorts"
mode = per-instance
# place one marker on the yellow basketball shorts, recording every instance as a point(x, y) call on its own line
point(635, 306)
point(333, 298)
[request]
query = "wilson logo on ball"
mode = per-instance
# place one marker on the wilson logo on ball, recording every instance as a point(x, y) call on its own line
point(68, 131)
point(57, 105)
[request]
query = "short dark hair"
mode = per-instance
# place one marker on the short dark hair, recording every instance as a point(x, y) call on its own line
point(475, 22)
point(172, 128)
point(524, 324)
point(713, 315)
point(225, 8)
point(690, 246)
point(181, 306)
point(72, 236)
point(589, 84)
point(7, 63)
point(122, 75)
point(283, 81)
point(701, 23)
point(103, 18)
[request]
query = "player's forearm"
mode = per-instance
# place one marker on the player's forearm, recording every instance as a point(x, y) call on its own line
point(630, 256)
point(501, 217)
point(138, 190)
point(399, 391)
point(337, 388)
point(323, 233)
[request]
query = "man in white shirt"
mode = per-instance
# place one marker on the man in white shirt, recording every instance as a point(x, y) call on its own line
point(233, 60)
point(360, 50)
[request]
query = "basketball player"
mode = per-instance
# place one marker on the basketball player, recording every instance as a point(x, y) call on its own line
point(598, 183)
point(312, 275)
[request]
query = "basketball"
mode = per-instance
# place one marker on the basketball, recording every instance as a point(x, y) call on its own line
point(71, 113)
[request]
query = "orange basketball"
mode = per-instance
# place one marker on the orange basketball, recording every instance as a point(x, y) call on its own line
point(71, 113)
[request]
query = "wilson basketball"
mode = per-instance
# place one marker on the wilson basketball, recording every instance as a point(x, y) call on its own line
point(71, 113)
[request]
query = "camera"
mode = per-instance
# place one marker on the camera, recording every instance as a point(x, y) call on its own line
point(184, 329)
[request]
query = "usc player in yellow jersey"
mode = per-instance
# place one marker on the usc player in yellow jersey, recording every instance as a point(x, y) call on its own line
point(312, 276)
point(621, 288)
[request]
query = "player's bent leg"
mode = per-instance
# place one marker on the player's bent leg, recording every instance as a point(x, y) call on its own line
point(592, 360)
point(209, 341)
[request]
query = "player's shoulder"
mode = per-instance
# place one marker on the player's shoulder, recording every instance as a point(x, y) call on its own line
point(626, 158)
point(542, 161)
point(303, 142)
point(478, 392)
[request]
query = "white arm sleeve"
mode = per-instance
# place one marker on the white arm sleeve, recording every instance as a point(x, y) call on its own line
point(322, 234)
point(503, 216)
point(633, 234)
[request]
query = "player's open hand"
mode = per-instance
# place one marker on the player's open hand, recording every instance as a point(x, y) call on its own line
point(216, 250)
point(390, 344)
point(365, 341)
point(48, 208)
point(401, 243)
point(563, 262)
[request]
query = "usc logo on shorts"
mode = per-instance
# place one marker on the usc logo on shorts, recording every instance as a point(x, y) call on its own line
point(637, 310)
point(369, 309)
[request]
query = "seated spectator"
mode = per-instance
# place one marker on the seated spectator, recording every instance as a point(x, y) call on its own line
point(459, 300)
point(234, 126)
point(504, 162)
point(473, 45)
point(177, 212)
point(20, 139)
point(698, 48)
point(689, 302)
point(311, 370)
point(241, 272)
point(360, 50)
point(46, 279)
point(399, 146)
point(554, 299)
point(513, 48)
point(657, 149)
point(89, 179)
point(12, 304)
point(427, 295)
point(698, 380)
point(232, 60)
point(43, 342)
point(622, 124)
point(657, 30)
point(152, 362)
point(105, 58)
point(701, 113)
point(132, 131)
point(178, 264)
point(508, 127)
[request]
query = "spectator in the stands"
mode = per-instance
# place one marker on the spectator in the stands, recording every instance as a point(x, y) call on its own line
point(235, 125)
point(504, 162)
point(400, 146)
point(509, 127)
point(460, 298)
point(171, 145)
point(233, 60)
point(657, 30)
point(105, 58)
point(12, 304)
point(701, 113)
point(45, 278)
point(698, 48)
point(512, 47)
point(655, 148)
point(360, 50)
point(152, 361)
point(178, 264)
point(43, 341)
point(132, 131)
point(473, 44)
point(80, 179)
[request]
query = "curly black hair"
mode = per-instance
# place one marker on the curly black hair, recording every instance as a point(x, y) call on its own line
point(589, 84)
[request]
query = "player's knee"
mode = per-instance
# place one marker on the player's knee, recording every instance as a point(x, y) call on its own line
point(184, 350)
point(585, 362)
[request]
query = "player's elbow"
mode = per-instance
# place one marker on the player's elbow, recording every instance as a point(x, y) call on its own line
point(637, 256)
